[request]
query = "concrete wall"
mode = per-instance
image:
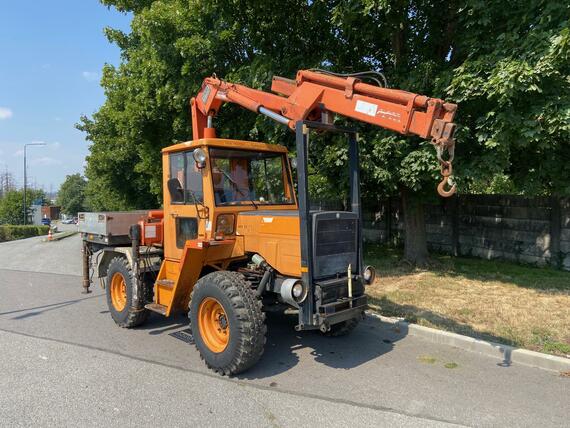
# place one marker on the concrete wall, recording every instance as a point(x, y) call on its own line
point(565, 233)
point(528, 230)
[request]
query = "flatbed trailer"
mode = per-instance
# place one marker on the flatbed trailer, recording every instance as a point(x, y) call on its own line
point(108, 235)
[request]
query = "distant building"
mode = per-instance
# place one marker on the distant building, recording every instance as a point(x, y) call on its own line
point(36, 214)
point(52, 212)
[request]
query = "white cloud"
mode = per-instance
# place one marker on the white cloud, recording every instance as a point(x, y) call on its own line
point(90, 76)
point(45, 161)
point(19, 153)
point(5, 113)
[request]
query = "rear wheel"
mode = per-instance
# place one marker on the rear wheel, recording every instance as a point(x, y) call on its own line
point(227, 322)
point(119, 293)
point(342, 328)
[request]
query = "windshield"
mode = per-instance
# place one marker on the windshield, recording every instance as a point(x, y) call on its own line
point(243, 177)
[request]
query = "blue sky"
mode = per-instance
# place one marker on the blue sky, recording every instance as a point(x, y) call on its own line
point(50, 65)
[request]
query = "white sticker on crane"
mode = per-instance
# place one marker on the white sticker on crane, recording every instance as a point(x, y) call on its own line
point(268, 219)
point(208, 225)
point(150, 231)
point(366, 108)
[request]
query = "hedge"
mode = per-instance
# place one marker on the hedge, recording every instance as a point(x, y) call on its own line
point(10, 233)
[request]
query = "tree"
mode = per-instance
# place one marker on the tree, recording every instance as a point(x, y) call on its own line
point(505, 62)
point(71, 195)
point(11, 205)
point(6, 182)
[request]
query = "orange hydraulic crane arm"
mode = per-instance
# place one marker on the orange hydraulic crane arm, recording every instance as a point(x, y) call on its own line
point(317, 95)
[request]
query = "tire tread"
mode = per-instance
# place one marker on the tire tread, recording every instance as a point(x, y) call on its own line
point(135, 317)
point(248, 310)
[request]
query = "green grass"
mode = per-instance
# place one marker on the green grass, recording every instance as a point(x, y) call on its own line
point(493, 300)
point(427, 359)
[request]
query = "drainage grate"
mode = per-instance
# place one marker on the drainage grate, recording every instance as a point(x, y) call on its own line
point(183, 335)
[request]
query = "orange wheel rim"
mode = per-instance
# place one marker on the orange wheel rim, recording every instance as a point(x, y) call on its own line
point(214, 325)
point(118, 292)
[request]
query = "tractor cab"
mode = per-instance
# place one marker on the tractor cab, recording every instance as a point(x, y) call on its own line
point(210, 182)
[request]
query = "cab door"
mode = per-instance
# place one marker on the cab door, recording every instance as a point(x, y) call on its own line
point(183, 199)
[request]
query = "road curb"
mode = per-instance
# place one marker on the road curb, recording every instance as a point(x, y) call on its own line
point(61, 235)
point(506, 353)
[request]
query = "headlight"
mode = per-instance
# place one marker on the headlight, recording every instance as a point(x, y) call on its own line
point(369, 274)
point(200, 157)
point(297, 290)
point(293, 291)
point(225, 224)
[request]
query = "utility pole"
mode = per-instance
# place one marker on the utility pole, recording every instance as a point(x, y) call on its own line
point(25, 178)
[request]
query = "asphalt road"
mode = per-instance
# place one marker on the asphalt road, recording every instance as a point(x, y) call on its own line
point(65, 363)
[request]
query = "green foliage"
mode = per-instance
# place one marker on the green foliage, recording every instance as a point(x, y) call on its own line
point(71, 195)
point(513, 88)
point(505, 63)
point(173, 45)
point(11, 205)
point(10, 233)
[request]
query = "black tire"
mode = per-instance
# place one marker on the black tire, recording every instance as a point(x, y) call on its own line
point(342, 328)
point(245, 318)
point(129, 316)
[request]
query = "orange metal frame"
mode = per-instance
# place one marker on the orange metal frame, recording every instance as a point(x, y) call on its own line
point(313, 93)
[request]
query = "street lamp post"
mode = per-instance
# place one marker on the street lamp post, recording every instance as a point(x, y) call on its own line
point(25, 179)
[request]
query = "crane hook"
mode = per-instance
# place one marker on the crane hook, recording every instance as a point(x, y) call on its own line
point(446, 170)
point(441, 188)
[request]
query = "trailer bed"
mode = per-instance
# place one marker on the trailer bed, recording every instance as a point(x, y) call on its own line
point(109, 227)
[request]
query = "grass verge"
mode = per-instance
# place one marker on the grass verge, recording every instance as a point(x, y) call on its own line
point(502, 302)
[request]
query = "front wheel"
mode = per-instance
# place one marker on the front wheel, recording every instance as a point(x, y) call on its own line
point(227, 322)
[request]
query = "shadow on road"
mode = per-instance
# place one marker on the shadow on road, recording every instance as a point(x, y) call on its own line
point(157, 324)
point(38, 310)
point(368, 341)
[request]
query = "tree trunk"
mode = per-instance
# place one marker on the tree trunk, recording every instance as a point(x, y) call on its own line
point(415, 244)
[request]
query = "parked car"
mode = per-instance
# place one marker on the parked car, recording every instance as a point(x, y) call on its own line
point(46, 221)
point(68, 221)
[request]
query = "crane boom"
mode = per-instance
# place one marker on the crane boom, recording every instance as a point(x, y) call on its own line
point(317, 95)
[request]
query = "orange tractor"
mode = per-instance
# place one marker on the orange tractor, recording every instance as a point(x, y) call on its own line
point(236, 237)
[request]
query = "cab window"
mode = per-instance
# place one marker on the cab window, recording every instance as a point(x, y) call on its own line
point(242, 177)
point(185, 179)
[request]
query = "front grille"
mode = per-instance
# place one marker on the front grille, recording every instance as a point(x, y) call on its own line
point(335, 243)
point(335, 236)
